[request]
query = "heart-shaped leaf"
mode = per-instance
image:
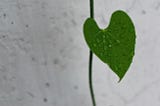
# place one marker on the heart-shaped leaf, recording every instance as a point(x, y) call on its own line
point(115, 44)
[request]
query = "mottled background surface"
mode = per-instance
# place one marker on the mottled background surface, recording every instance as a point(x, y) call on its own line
point(44, 58)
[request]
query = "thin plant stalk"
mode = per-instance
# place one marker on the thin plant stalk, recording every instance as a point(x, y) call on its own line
point(91, 59)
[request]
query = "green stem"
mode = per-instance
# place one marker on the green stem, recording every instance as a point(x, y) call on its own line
point(91, 58)
point(90, 79)
point(92, 8)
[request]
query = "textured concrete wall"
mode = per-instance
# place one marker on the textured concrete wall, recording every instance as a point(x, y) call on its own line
point(44, 58)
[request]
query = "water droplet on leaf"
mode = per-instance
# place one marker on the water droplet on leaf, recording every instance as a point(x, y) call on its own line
point(109, 45)
point(117, 41)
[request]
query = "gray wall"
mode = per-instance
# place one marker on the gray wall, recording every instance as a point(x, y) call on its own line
point(44, 58)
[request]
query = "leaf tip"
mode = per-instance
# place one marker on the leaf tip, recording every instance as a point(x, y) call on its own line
point(120, 79)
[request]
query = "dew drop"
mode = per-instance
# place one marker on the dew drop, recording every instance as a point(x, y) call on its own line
point(109, 45)
point(117, 41)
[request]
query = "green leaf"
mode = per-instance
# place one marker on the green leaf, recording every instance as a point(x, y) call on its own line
point(113, 45)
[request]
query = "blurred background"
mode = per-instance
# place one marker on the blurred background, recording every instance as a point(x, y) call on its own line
point(44, 58)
